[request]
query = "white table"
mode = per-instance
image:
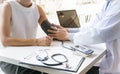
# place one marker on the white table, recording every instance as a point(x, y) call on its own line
point(15, 54)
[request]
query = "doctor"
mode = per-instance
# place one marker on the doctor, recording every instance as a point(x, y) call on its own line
point(104, 29)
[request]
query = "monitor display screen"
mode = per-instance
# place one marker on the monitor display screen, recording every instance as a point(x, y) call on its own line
point(68, 18)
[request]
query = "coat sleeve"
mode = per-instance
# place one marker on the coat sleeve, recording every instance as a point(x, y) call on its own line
point(106, 29)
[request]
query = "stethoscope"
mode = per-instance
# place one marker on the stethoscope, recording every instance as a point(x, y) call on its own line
point(54, 57)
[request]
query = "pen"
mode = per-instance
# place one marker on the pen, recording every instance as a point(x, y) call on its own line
point(67, 47)
point(82, 60)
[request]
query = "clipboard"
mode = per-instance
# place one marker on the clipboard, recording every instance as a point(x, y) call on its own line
point(74, 63)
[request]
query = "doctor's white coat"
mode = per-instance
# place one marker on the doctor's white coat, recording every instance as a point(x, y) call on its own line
point(104, 29)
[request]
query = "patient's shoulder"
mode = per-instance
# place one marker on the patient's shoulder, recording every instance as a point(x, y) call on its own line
point(6, 6)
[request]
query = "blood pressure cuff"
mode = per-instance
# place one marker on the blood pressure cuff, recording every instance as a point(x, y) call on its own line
point(45, 26)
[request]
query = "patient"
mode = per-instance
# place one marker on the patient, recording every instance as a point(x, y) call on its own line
point(18, 27)
point(1, 1)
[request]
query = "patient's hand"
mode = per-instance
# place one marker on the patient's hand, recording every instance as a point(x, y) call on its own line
point(44, 41)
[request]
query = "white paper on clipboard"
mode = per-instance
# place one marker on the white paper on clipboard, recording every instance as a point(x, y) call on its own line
point(74, 61)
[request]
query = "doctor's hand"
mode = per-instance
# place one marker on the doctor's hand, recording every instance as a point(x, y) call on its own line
point(54, 26)
point(59, 33)
point(44, 41)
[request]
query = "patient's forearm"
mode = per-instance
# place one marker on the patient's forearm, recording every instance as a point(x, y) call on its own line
point(19, 42)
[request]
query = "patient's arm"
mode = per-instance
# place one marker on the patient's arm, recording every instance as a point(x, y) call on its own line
point(5, 29)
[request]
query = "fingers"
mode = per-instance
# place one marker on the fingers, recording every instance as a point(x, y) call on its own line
point(45, 41)
point(57, 26)
point(54, 28)
point(53, 31)
point(52, 35)
point(50, 38)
